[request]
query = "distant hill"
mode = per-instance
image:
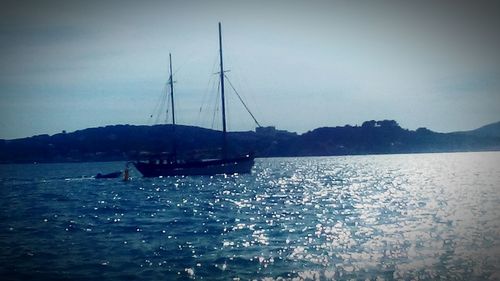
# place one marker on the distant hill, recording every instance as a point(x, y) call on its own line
point(127, 142)
point(491, 130)
point(386, 137)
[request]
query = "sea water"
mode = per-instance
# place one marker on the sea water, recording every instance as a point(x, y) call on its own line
point(384, 217)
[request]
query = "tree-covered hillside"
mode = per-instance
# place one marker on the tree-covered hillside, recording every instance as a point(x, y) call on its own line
point(126, 142)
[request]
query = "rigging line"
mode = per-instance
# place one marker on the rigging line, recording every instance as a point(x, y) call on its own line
point(242, 76)
point(216, 107)
point(239, 97)
point(155, 109)
point(210, 87)
point(191, 58)
point(158, 114)
point(162, 106)
point(184, 63)
point(208, 106)
point(159, 108)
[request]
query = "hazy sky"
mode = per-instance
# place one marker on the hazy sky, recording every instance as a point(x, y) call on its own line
point(68, 65)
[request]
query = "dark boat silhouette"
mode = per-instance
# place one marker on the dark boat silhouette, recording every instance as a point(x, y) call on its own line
point(169, 165)
point(113, 175)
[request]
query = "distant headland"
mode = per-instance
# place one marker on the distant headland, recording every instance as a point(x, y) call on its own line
point(128, 142)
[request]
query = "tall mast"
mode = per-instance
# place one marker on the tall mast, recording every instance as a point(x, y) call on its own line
point(224, 131)
point(171, 82)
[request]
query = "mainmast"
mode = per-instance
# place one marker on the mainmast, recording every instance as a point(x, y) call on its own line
point(224, 131)
point(171, 82)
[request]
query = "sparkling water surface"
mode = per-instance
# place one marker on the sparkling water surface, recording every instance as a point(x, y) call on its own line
point(384, 217)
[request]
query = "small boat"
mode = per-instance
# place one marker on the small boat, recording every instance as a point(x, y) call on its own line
point(156, 166)
point(113, 175)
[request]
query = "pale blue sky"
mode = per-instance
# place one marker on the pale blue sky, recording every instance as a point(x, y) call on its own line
point(69, 65)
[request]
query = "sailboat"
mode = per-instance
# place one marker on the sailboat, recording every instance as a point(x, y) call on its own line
point(169, 165)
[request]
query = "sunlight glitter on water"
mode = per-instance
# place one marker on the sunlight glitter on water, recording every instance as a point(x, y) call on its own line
point(386, 217)
point(404, 218)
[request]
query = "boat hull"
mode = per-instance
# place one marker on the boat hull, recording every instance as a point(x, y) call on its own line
point(240, 165)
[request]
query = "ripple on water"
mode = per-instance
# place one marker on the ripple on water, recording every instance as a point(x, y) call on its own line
point(390, 217)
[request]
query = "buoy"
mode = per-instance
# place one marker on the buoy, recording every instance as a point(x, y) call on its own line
point(125, 173)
